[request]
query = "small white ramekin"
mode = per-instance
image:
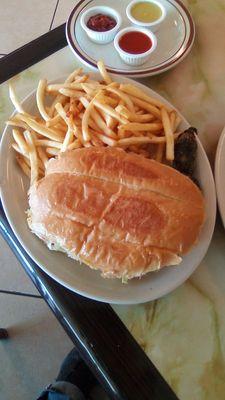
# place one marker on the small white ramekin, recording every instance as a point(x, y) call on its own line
point(135, 59)
point(101, 37)
point(151, 25)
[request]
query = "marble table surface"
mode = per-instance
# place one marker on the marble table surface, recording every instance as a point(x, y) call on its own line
point(184, 332)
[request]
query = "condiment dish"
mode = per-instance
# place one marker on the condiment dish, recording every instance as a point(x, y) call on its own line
point(154, 24)
point(132, 58)
point(100, 37)
point(175, 39)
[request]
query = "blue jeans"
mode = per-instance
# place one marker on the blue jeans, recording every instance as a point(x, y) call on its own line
point(61, 391)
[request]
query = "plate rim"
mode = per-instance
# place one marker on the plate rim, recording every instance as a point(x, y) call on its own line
point(103, 298)
point(220, 190)
point(177, 58)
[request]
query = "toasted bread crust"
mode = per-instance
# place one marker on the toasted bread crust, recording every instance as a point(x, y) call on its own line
point(117, 212)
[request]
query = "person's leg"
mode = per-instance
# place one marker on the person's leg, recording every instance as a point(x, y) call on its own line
point(74, 381)
point(62, 391)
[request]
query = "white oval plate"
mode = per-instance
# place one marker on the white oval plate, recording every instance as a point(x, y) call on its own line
point(175, 38)
point(80, 278)
point(220, 175)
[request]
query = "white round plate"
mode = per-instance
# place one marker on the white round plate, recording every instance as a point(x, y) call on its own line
point(175, 38)
point(220, 175)
point(80, 278)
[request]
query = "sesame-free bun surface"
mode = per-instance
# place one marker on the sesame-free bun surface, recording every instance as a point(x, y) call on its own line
point(117, 212)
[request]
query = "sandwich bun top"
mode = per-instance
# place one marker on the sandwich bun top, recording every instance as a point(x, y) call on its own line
point(115, 211)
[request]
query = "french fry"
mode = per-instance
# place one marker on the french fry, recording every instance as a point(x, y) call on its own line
point(107, 100)
point(53, 121)
point(93, 83)
point(136, 126)
point(140, 112)
point(142, 118)
point(140, 140)
point(19, 139)
point(98, 121)
point(124, 134)
point(172, 117)
point(77, 132)
point(146, 106)
point(89, 90)
point(23, 165)
point(75, 145)
point(74, 75)
point(81, 79)
point(60, 98)
point(66, 107)
point(87, 144)
point(18, 124)
point(127, 100)
point(19, 151)
point(109, 110)
point(55, 87)
point(37, 127)
point(103, 72)
point(80, 106)
point(26, 158)
point(134, 117)
point(86, 117)
point(40, 99)
point(85, 122)
point(121, 109)
point(71, 93)
point(102, 125)
point(96, 141)
point(42, 155)
point(168, 134)
point(63, 115)
point(68, 139)
point(86, 113)
point(135, 91)
point(47, 143)
point(105, 139)
point(61, 128)
point(177, 122)
point(92, 124)
point(52, 151)
point(73, 108)
point(110, 121)
point(14, 99)
point(33, 157)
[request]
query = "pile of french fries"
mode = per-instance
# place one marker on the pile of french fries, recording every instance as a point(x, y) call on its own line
point(82, 112)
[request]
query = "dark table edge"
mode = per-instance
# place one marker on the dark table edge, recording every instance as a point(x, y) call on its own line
point(32, 52)
point(121, 366)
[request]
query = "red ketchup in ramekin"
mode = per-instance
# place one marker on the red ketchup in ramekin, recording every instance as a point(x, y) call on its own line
point(101, 23)
point(135, 45)
point(135, 42)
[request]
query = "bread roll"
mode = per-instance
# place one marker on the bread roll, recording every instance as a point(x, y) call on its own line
point(115, 211)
